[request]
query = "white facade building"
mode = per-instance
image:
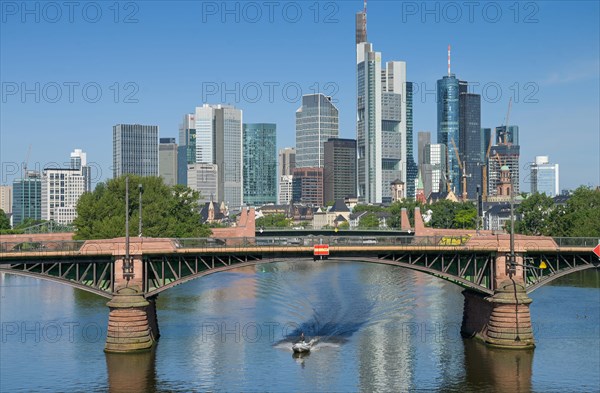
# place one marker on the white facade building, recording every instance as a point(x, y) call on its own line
point(544, 177)
point(204, 178)
point(62, 188)
point(285, 189)
point(6, 198)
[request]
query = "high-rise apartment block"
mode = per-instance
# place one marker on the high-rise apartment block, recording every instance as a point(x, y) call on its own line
point(287, 161)
point(285, 189)
point(260, 170)
point(135, 150)
point(6, 198)
point(62, 188)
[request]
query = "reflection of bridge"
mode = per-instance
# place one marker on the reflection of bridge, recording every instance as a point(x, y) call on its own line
point(496, 305)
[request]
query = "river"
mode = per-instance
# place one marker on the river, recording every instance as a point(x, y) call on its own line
point(378, 328)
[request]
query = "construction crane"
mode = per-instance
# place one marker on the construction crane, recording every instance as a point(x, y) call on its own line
point(26, 161)
point(462, 169)
point(484, 193)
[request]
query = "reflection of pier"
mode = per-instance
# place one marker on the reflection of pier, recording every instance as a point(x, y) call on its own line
point(496, 306)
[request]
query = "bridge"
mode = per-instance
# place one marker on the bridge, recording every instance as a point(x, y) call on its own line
point(496, 285)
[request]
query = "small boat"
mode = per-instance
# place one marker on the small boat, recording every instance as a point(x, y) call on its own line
point(303, 346)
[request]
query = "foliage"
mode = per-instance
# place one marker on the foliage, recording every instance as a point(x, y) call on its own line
point(273, 221)
point(369, 220)
point(344, 225)
point(368, 208)
point(4, 221)
point(579, 217)
point(448, 214)
point(396, 209)
point(166, 211)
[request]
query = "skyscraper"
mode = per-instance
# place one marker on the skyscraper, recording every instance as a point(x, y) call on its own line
point(383, 121)
point(316, 122)
point(135, 150)
point(287, 161)
point(507, 154)
point(339, 173)
point(412, 170)
point(27, 198)
point(260, 170)
point(307, 186)
point(6, 198)
point(435, 160)
point(186, 151)
point(219, 141)
point(424, 138)
point(167, 161)
point(447, 124)
point(204, 178)
point(470, 142)
point(62, 188)
point(544, 177)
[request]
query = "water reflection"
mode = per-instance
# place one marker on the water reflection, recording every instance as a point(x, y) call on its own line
point(134, 372)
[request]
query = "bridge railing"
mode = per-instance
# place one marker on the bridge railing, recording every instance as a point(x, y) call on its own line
point(577, 241)
point(334, 240)
point(33, 246)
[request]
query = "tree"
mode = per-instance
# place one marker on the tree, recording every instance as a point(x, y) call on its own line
point(273, 221)
point(537, 215)
point(369, 220)
point(167, 211)
point(4, 221)
point(582, 213)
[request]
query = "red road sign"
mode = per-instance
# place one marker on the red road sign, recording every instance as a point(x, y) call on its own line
point(597, 250)
point(321, 249)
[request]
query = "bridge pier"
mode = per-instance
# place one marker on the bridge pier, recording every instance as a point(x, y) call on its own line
point(132, 322)
point(502, 320)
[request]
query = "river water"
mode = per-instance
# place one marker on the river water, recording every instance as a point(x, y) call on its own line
point(379, 328)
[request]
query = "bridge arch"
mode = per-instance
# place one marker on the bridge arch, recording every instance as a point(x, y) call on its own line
point(464, 283)
point(62, 281)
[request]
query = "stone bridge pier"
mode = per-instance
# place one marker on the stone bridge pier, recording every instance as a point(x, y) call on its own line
point(502, 320)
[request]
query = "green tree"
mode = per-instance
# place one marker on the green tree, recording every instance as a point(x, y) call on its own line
point(448, 214)
point(537, 213)
point(166, 211)
point(396, 209)
point(273, 221)
point(582, 213)
point(369, 220)
point(4, 221)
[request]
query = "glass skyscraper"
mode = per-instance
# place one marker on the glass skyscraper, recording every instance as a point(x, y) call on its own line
point(447, 124)
point(27, 198)
point(316, 121)
point(260, 163)
point(135, 150)
point(186, 151)
point(470, 142)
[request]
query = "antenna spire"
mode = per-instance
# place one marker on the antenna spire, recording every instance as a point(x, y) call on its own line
point(448, 60)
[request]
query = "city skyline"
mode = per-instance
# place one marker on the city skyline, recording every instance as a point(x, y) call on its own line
point(560, 71)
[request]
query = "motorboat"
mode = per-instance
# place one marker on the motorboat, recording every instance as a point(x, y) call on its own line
point(303, 346)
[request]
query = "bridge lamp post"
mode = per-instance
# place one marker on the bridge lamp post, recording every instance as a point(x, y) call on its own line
point(127, 263)
point(512, 267)
point(141, 189)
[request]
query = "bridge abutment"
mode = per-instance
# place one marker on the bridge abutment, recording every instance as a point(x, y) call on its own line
point(502, 320)
point(132, 322)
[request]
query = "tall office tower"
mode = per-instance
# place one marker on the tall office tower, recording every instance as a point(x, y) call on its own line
point(424, 138)
point(285, 189)
point(448, 91)
point(186, 151)
point(219, 141)
point(204, 178)
point(260, 169)
point(544, 177)
point(469, 127)
point(6, 198)
point(436, 160)
point(27, 198)
point(62, 188)
point(287, 161)
point(135, 150)
point(507, 138)
point(167, 161)
point(316, 122)
point(307, 186)
point(339, 173)
point(412, 171)
point(505, 153)
point(382, 121)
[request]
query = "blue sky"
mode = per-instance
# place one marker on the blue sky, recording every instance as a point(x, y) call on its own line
point(154, 61)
